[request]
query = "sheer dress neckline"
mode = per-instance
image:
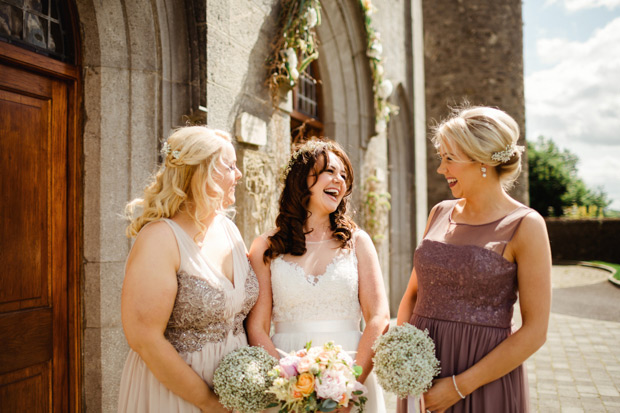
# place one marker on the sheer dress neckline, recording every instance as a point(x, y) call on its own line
point(452, 221)
point(215, 271)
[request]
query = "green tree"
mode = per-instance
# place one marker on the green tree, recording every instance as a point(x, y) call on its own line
point(554, 181)
point(549, 176)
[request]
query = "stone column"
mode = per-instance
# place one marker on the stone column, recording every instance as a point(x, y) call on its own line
point(473, 51)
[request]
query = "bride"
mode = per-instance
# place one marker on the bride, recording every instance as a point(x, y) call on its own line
point(318, 273)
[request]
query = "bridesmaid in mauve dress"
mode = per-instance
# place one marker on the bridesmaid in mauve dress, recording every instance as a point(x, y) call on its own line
point(479, 252)
point(188, 284)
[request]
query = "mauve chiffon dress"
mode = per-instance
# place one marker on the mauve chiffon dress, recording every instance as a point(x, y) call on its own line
point(466, 294)
point(206, 322)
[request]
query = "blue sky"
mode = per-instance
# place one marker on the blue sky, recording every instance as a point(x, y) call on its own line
point(572, 83)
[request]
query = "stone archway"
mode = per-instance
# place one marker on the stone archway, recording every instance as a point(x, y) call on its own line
point(138, 67)
point(347, 84)
point(349, 102)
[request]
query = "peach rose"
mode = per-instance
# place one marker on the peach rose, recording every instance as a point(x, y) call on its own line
point(304, 364)
point(305, 384)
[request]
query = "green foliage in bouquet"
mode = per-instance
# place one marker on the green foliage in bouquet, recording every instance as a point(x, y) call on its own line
point(405, 362)
point(241, 380)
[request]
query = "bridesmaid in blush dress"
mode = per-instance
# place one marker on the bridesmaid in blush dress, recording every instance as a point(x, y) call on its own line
point(188, 284)
point(479, 253)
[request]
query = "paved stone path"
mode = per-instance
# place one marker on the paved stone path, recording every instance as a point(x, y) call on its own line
point(578, 368)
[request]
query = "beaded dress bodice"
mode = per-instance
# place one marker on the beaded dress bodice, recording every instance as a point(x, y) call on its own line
point(208, 306)
point(298, 296)
point(462, 274)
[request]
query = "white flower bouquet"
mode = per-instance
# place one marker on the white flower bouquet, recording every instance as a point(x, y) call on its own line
point(317, 379)
point(405, 362)
point(242, 379)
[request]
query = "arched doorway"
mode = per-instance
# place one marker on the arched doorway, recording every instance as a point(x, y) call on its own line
point(40, 326)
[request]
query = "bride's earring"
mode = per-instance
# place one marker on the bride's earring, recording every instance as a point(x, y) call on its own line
point(484, 171)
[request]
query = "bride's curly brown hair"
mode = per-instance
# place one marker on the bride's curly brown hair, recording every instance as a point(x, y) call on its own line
point(311, 159)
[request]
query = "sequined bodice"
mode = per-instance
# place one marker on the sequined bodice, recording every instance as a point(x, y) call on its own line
point(208, 307)
point(330, 296)
point(462, 274)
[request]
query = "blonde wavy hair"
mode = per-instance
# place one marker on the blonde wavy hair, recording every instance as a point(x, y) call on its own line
point(186, 178)
point(479, 132)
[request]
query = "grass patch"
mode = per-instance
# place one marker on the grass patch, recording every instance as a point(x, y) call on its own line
point(609, 264)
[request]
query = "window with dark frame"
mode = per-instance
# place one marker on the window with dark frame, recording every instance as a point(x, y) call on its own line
point(306, 118)
point(37, 25)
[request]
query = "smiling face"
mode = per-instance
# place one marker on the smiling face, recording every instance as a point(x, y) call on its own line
point(462, 173)
point(327, 184)
point(227, 174)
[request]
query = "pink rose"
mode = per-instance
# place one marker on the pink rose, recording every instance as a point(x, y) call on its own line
point(288, 366)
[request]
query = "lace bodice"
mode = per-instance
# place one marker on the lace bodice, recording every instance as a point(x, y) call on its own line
point(329, 296)
point(208, 307)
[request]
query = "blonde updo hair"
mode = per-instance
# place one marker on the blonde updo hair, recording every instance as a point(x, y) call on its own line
point(480, 132)
point(191, 155)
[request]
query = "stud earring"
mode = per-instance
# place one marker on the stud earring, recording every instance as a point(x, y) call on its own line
point(484, 171)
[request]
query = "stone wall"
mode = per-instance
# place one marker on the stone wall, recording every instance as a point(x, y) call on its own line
point(473, 51)
point(584, 239)
point(137, 86)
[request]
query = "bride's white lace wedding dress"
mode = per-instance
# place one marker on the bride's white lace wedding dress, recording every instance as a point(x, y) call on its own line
point(321, 306)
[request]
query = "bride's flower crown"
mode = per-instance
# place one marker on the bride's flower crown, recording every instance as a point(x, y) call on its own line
point(307, 147)
point(507, 154)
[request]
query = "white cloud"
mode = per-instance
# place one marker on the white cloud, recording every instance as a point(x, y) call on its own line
point(577, 103)
point(576, 5)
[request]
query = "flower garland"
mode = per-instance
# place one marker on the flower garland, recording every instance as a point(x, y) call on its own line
point(382, 87)
point(375, 209)
point(295, 46)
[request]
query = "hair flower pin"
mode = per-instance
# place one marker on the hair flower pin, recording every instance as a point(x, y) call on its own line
point(167, 150)
point(505, 155)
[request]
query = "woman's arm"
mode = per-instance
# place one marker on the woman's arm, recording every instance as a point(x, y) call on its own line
point(258, 322)
point(407, 303)
point(530, 248)
point(149, 292)
point(373, 300)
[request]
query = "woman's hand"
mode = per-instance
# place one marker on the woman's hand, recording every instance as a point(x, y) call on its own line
point(344, 409)
point(214, 405)
point(441, 396)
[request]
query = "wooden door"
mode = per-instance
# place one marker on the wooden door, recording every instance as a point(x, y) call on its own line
point(34, 336)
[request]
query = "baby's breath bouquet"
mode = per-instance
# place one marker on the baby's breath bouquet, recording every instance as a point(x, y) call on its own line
point(241, 380)
point(405, 362)
point(317, 379)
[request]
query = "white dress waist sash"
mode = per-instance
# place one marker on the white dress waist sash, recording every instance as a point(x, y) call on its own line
point(320, 326)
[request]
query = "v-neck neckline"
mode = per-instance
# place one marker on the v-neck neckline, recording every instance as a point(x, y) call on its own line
point(199, 248)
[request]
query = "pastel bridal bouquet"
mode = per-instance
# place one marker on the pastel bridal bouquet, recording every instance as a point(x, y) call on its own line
point(242, 380)
point(405, 362)
point(317, 379)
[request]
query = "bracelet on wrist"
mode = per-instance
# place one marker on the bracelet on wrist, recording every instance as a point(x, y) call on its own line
point(457, 388)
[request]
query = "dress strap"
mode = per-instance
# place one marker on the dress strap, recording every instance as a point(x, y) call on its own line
point(181, 239)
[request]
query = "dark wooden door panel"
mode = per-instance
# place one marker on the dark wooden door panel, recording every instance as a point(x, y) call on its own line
point(24, 129)
point(34, 348)
point(26, 338)
point(26, 390)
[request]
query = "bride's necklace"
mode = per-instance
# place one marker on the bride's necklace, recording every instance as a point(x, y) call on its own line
point(326, 236)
